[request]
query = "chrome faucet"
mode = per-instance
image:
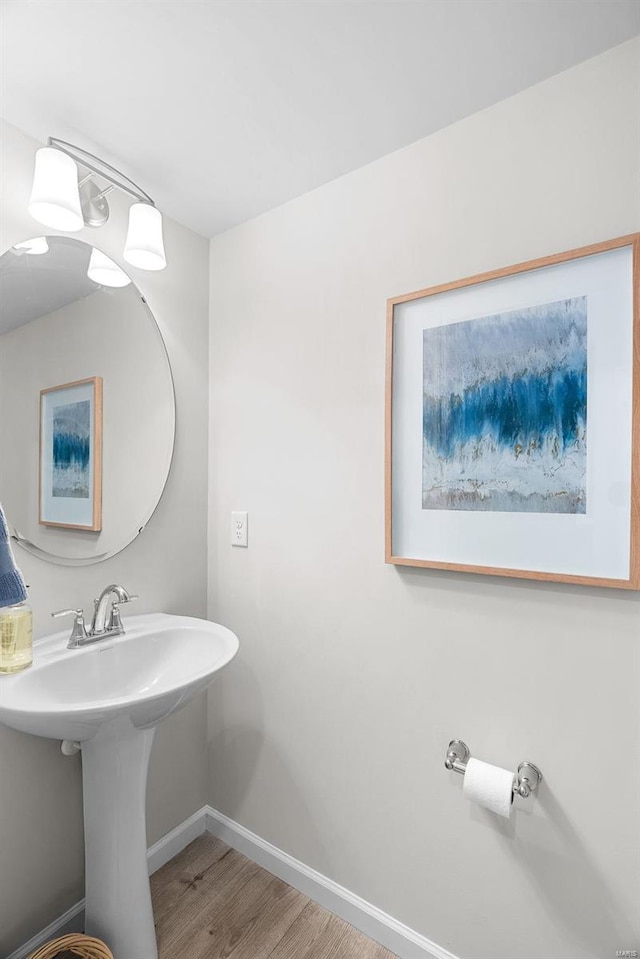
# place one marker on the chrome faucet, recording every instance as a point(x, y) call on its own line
point(98, 623)
point(99, 628)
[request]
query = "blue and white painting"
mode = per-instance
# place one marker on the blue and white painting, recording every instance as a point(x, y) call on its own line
point(71, 450)
point(505, 411)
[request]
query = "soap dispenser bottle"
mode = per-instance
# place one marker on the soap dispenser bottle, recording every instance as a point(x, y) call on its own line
point(16, 637)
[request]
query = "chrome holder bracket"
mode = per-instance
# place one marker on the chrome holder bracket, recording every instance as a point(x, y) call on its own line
point(457, 756)
point(528, 779)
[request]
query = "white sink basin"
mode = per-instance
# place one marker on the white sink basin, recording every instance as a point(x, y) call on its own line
point(154, 668)
point(109, 696)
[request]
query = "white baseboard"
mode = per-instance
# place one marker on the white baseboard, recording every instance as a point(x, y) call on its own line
point(70, 921)
point(395, 936)
point(157, 855)
point(178, 839)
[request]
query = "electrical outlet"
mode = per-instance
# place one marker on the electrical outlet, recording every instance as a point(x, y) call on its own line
point(239, 528)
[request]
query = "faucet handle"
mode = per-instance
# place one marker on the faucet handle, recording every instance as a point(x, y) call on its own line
point(115, 622)
point(79, 631)
point(68, 612)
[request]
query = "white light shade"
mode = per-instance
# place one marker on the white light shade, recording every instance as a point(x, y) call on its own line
point(35, 247)
point(104, 271)
point(144, 247)
point(55, 199)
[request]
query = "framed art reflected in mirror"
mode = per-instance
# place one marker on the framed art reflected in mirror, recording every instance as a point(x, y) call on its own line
point(71, 455)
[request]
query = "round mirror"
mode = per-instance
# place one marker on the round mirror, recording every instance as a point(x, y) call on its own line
point(87, 407)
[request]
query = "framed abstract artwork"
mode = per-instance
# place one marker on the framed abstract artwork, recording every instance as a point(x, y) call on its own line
point(71, 455)
point(513, 420)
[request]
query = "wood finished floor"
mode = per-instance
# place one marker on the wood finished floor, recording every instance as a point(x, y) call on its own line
point(210, 902)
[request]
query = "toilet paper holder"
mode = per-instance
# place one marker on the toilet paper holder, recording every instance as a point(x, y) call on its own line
point(525, 781)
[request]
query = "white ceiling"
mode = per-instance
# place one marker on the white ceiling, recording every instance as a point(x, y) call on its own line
point(32, 286)
point(222, 109)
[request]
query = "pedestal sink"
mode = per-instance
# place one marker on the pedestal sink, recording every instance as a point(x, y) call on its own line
point(109, 697)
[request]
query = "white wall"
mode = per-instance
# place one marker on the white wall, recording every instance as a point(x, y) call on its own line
point(327, 734)
point(41, 847)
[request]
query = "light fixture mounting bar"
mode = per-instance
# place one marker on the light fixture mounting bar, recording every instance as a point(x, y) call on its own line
point(101, 168)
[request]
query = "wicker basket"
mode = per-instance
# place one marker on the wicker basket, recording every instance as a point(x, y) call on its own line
point(76, 945)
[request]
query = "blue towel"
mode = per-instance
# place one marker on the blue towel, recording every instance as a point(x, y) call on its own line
point(12, 588)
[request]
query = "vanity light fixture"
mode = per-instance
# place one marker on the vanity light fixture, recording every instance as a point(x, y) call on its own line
point(64, 201)
point(144, 247)
point(55, 200)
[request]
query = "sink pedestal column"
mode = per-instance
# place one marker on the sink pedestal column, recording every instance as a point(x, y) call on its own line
point(118, 898)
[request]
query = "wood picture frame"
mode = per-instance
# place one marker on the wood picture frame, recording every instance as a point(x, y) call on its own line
point(70, 461)
point(554, 495)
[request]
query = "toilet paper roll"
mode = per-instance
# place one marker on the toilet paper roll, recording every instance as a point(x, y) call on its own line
point(490, 786)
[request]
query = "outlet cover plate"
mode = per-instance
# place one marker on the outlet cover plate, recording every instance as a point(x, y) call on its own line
point(239, 531)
